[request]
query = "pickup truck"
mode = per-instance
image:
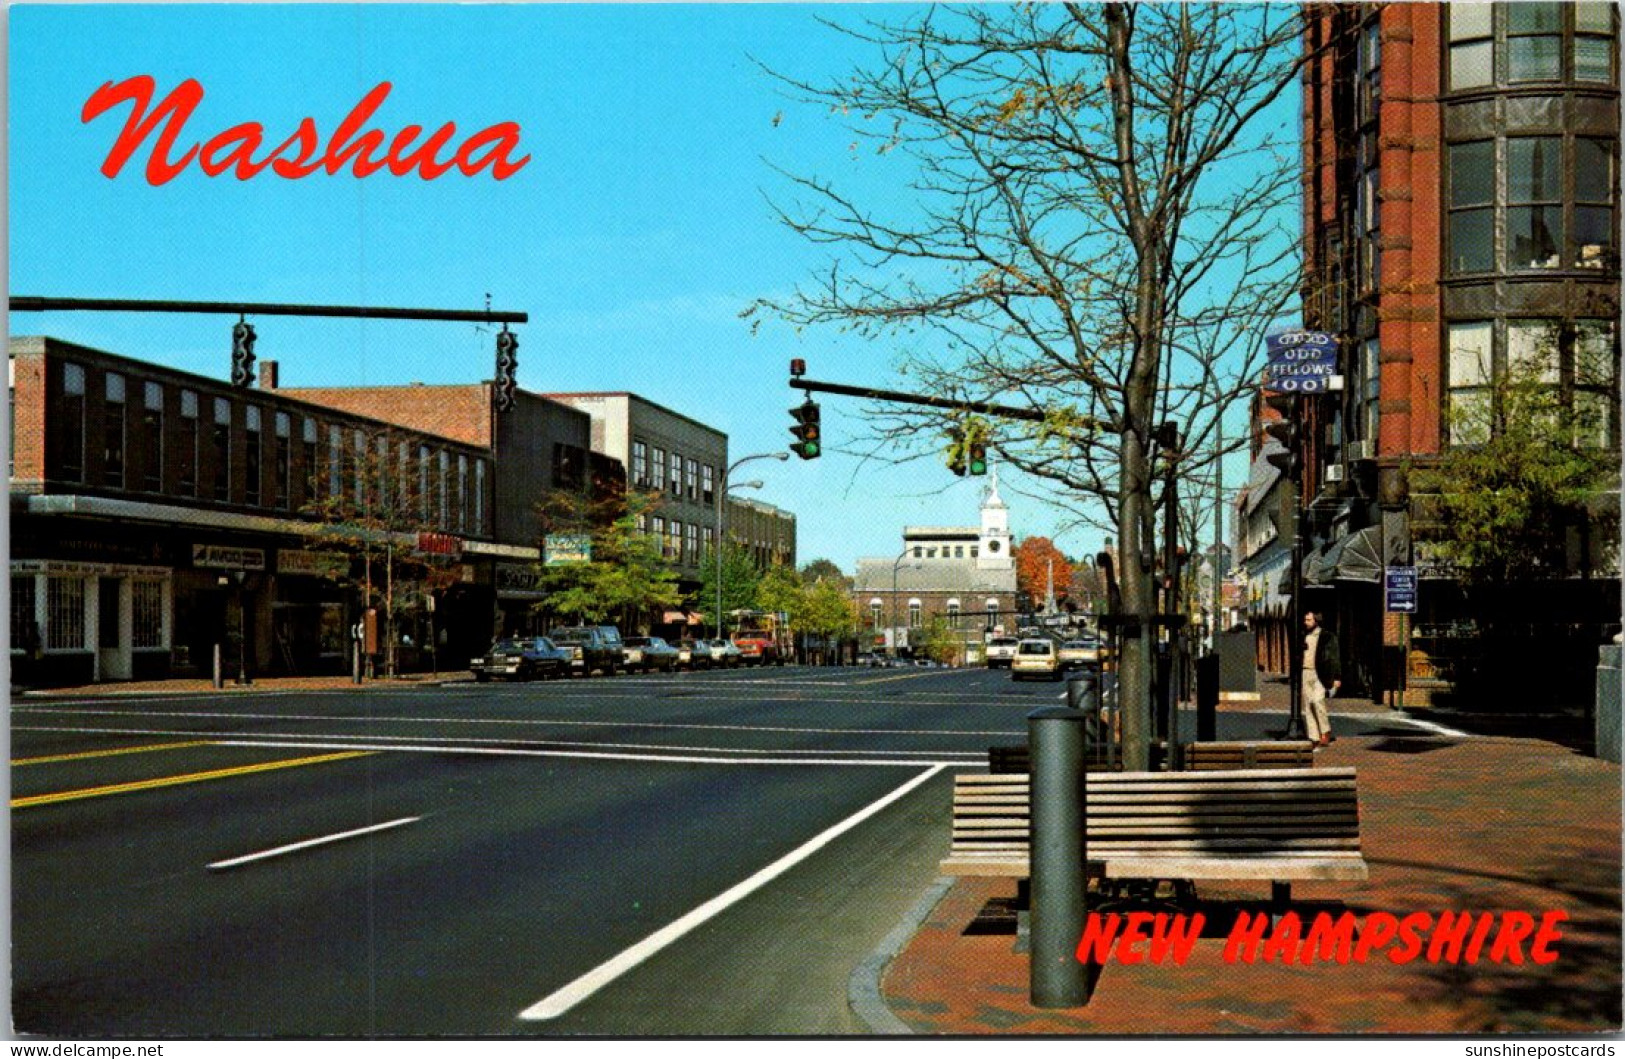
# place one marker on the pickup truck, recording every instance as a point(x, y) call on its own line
point(757, 647)
point(1001, 651)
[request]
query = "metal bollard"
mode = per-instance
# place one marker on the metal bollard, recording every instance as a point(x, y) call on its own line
point(219, 674)
point(1083, 691)
point(1057, 798)
point(1207, 697)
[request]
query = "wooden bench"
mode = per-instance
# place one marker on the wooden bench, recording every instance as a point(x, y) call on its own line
point(1276, 824)
point(1296, 754)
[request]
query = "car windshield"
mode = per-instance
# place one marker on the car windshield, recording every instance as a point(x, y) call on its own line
point(508, 645)
point(638, 641)
point(568, 635)
point(1004, 642)
point(1035, 647)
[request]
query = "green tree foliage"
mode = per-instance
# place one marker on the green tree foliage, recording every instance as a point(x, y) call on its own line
point(1526, 473)
point(829, 609)
point(739, 581)
point(628, 576)
point(781, 591)
point(824, 570)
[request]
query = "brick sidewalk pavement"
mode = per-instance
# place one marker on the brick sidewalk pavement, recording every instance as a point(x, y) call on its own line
point(1474, 825)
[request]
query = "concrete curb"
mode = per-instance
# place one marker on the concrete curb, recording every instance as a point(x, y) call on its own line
point(863, 987)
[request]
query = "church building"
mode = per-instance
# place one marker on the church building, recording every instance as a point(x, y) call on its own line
point(964, 574)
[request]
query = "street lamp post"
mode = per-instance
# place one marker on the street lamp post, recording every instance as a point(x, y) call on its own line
point(722, 491)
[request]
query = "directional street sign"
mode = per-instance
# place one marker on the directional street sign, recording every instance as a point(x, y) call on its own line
point(1399, 589)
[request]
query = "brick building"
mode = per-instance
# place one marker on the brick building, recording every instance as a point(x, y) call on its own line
point(1461, 207)
point(156, 513)
point(538, 446)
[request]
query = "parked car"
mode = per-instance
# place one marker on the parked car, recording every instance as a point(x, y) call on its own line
point(650, 654)
point(869, 658)
point(520, 659)
point(695, 654)
point(724, 655)
point(1084, 651)
point(1000, 651)
point(1036, 658)
point(592, 647)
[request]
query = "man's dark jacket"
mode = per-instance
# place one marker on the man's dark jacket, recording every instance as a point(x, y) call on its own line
point(1327, 667)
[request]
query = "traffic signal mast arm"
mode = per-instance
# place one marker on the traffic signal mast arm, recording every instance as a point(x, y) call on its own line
point(1000, 411)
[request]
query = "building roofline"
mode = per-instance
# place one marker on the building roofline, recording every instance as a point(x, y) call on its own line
point(630, 396)
point(45, 345)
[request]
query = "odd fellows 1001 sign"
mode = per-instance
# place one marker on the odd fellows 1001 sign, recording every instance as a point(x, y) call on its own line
point(1300, 361)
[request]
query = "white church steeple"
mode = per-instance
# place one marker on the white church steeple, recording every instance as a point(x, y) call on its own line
point(994, 550)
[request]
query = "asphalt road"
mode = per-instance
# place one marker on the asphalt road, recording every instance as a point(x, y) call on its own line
point(663, 855)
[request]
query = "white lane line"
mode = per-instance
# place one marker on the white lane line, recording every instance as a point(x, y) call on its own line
point(944, 759)
point(250, 858)
point(529, 722)
point(562, 1000)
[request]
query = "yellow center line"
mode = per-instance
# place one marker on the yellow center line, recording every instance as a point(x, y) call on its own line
point(171, 781)
point(904, 676)
point(19, 761)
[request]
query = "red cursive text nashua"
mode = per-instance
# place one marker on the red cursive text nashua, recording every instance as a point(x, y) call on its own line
point(238, 149)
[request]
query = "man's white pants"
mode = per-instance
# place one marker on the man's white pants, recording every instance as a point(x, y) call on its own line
point(1315, 717)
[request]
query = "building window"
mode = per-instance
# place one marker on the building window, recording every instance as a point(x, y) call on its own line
point(310, 467)
point(708, 485)
point(674, 546)
point(152, 433)
point(915, 614)
point(423, 482)
point(25, 631)
point(640, 465)
point(693, 543)
point(676, 474)
point(72, 463)
point(462, 492)
point(658, 470)
point(282, 469)
point(992, 612)
point(113, 427)
point(953, 613)
point(358, 468)
point(65, 613)
point(251, 454)
point(660, 535)
point(445, 473)
point(1472, 45)
point(1370, 59)
point(874, 613)
point(1472, 206)
point(479, 496)
point(1596, 383)
point(1471, 367)
point(382, 475)
point(1593, 236)
point(1594, 42)
point(1367, 415)
point(1534, 40)
point(189, 443)
point(222, 449)
point(335, 461)
point(1534, 201)
point(692, 482)
point(147, 613)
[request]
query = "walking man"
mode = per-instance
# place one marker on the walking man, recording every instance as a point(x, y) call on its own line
point(1321, 678)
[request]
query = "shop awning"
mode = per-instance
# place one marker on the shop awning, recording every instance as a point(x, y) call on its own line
point(1357, 557)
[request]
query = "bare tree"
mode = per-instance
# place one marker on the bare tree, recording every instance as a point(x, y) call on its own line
point(1097, 222)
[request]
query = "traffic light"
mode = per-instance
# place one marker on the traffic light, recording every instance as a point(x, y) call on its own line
point(976, 458)
point(809, 438)
point(507, 369)
point(956, 451)
point(1285, 430)
point(242, 354)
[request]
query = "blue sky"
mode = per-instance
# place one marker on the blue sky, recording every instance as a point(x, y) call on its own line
point(635, 236)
